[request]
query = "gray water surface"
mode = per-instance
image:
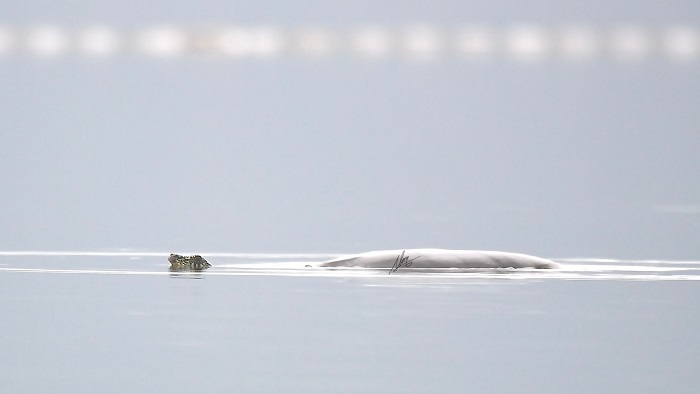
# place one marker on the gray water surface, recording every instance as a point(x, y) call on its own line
point(123, 323)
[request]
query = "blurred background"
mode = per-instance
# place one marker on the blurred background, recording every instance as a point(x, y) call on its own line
point(560, 129)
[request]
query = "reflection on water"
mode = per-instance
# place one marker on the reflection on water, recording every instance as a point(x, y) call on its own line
point(132, 263)
point(268, 323)
point(176, 273)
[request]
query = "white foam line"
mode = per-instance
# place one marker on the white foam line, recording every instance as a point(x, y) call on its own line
point(569, 272)
point(623, 261)
point(72, 271)
point(564, 268)
point(631, 268)
point(165, 254)
point(118, 272)
point(375, 275)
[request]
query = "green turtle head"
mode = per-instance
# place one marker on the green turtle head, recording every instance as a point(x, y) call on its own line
point(188, 263)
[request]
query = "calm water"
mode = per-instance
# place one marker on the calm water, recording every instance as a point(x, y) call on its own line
point(121, 322)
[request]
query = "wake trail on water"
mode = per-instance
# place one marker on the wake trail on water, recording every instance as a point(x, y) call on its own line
point(128, 262)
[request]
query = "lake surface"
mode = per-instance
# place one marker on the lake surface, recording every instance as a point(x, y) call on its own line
point(118, 322)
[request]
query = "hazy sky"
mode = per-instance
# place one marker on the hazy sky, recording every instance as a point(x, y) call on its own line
point(137, 12)
point(342, 155)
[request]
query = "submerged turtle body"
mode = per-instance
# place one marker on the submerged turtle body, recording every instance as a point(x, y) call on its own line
point(187, 263)
point(440, 258)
